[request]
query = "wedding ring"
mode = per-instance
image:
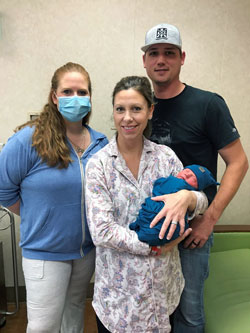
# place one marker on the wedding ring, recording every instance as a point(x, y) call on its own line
point(174, 222)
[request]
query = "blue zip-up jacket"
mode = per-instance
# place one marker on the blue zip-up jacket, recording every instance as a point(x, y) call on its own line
point(53, 221)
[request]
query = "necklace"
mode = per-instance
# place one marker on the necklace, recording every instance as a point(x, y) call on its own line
point(78, 149)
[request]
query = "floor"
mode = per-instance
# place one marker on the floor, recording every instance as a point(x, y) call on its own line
point(17, 323)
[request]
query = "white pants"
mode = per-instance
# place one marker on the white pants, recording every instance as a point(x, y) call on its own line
point(56, 293)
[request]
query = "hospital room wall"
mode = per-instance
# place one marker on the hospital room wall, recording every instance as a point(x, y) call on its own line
point(37, 36)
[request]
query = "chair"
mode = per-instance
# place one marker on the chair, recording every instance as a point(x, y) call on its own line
point(227, 289)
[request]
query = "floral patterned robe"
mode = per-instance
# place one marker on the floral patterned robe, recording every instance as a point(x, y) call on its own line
point(134, 291)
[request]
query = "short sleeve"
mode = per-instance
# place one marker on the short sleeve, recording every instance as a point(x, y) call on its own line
point(220, 126)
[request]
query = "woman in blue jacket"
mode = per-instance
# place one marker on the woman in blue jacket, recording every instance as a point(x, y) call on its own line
point(42, 180)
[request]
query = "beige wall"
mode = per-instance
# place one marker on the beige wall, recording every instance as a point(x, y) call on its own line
point(105, 36)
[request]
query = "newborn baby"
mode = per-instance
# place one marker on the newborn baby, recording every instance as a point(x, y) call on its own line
point(192, 177)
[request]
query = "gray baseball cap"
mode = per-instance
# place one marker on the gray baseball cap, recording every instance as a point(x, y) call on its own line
point(162, 33)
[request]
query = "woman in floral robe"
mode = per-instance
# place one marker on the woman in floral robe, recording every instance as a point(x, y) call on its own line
point(136, 287)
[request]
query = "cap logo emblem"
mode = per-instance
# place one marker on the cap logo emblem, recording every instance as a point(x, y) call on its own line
point(201, 169)
point(162, 33)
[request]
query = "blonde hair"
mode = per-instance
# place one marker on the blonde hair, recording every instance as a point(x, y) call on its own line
point(49, 137)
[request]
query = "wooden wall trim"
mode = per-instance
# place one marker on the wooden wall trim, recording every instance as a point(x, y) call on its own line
point(232, 228)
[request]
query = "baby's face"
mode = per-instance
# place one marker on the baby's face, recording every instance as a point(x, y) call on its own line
point(189, 176)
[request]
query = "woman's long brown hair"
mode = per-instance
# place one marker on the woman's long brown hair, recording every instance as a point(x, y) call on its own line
point(49, 137)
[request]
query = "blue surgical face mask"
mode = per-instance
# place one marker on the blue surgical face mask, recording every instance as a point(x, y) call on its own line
point(74, 108)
